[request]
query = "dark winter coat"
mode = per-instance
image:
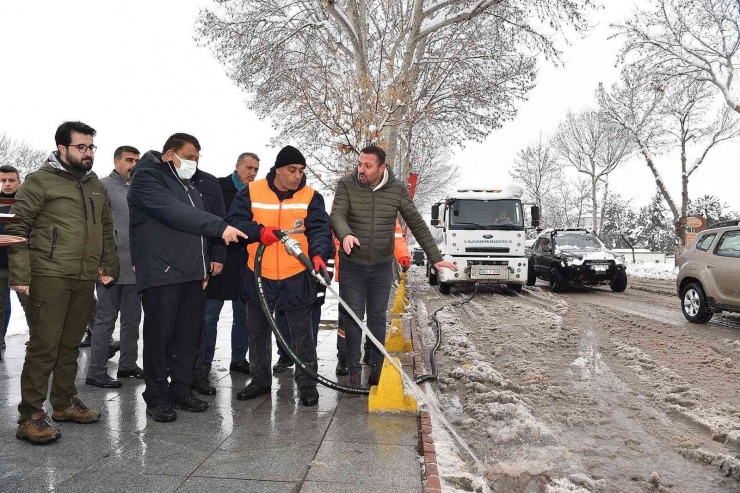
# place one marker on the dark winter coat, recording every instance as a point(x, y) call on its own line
point(299, 290)
point(229, 285)
point(68, 226)
point(168, 225)
point(213, 202)
point(370, 216)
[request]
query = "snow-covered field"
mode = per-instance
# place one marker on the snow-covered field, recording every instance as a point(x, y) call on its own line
point(666, 272)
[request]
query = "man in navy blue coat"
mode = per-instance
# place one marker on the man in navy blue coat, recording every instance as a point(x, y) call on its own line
point(169, 251)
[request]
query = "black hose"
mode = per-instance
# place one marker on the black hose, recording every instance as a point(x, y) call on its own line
point(275, 330)
point(433, 352)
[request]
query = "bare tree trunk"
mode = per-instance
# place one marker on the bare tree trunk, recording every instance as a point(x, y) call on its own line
point(594, 205)
point(603, 205)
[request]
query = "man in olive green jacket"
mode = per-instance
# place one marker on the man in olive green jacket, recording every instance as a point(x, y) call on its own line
point(366, 205)
point(64, 214)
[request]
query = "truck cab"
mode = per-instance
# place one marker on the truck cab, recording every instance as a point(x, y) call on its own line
point(483, 234)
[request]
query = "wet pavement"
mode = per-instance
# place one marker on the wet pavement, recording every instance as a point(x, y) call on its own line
point(269, 444)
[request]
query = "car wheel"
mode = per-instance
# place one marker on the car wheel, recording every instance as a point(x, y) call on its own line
point(444, 287)
point(431, 275)
point(517, 288)
point(619, 284)
point(694, 304)
point(557, 283)
point(531, 276)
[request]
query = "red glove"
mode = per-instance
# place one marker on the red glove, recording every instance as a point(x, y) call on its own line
point(267, 235)
point(320, 266)
point(405, 263)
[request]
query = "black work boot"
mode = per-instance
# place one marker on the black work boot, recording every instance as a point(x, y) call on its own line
point(342, 367)
point(162, 414)
point(283, 363)
point(203, 386)
point(240, 366)
point(252, 391)
point(309, 395)
point(189, 403)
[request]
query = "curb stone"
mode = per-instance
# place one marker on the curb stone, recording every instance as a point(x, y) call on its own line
point(431, 482)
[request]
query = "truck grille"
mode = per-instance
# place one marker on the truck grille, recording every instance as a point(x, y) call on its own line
point(486, 250)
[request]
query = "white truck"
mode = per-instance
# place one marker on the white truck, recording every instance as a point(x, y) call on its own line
point(483, 234)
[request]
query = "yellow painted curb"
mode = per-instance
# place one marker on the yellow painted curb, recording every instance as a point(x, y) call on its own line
point(395, 342)
point(388, 395)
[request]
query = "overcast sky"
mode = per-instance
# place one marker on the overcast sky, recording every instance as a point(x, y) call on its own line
point(133, 71)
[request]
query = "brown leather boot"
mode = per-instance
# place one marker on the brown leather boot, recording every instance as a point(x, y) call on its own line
point(77, 412)
point(37, 429)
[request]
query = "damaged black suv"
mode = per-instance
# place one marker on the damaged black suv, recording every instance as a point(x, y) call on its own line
point(574, 256)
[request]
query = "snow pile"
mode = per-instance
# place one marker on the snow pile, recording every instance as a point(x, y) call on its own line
point(490, 403)
point(666, 272)
point(677, 395)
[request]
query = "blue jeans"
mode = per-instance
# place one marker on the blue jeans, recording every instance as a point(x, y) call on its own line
point(282, 323)
point(239, 333)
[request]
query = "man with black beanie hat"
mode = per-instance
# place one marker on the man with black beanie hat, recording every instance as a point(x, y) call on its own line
point(282, 202)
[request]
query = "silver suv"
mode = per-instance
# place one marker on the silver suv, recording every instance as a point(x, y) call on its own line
point(709, 278)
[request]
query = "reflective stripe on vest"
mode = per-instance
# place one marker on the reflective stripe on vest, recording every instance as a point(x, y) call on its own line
point(288, 215)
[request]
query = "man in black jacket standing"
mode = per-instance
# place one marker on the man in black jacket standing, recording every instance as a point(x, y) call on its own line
point(282, 202)
point(169, 253)
point(229, 286)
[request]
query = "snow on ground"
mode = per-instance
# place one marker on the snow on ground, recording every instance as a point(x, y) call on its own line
point(490, 402)
point(666, 272)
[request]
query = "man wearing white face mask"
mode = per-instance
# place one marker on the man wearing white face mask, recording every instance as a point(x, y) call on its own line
point(169, 251)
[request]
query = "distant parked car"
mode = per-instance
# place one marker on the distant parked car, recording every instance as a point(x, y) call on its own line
point(573, 256)
point(418, 256)
point(708, 281)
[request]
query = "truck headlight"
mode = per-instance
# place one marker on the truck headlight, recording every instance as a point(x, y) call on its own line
point(619, 259)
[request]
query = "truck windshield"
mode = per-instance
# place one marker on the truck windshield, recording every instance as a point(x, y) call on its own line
point(486, 214)
point(577, 242)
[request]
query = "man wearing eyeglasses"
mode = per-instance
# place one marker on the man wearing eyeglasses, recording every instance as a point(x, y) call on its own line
point(64, 214)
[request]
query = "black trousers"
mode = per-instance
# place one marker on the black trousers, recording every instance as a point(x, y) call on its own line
point(302, 343)
point(173, 319)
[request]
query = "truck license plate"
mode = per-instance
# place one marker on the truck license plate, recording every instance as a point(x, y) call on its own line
point(490, 272)
point(600, 268)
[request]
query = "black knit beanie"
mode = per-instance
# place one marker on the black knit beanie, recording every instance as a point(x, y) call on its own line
point(289, 155)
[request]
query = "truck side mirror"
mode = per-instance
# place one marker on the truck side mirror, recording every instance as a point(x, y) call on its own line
point(435, 215)
point(535, 213)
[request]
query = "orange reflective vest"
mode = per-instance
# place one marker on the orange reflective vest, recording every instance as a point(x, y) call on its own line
point(400, 249)
point(288, 215)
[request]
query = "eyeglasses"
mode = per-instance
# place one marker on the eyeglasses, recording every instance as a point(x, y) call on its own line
point(84, 147)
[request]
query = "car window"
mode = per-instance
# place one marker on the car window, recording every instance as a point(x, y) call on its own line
point(577, 242)
point(729, 245)
point(542, 242)
point(705, 242)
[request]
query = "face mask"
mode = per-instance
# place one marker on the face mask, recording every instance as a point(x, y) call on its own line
point(187, 168)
